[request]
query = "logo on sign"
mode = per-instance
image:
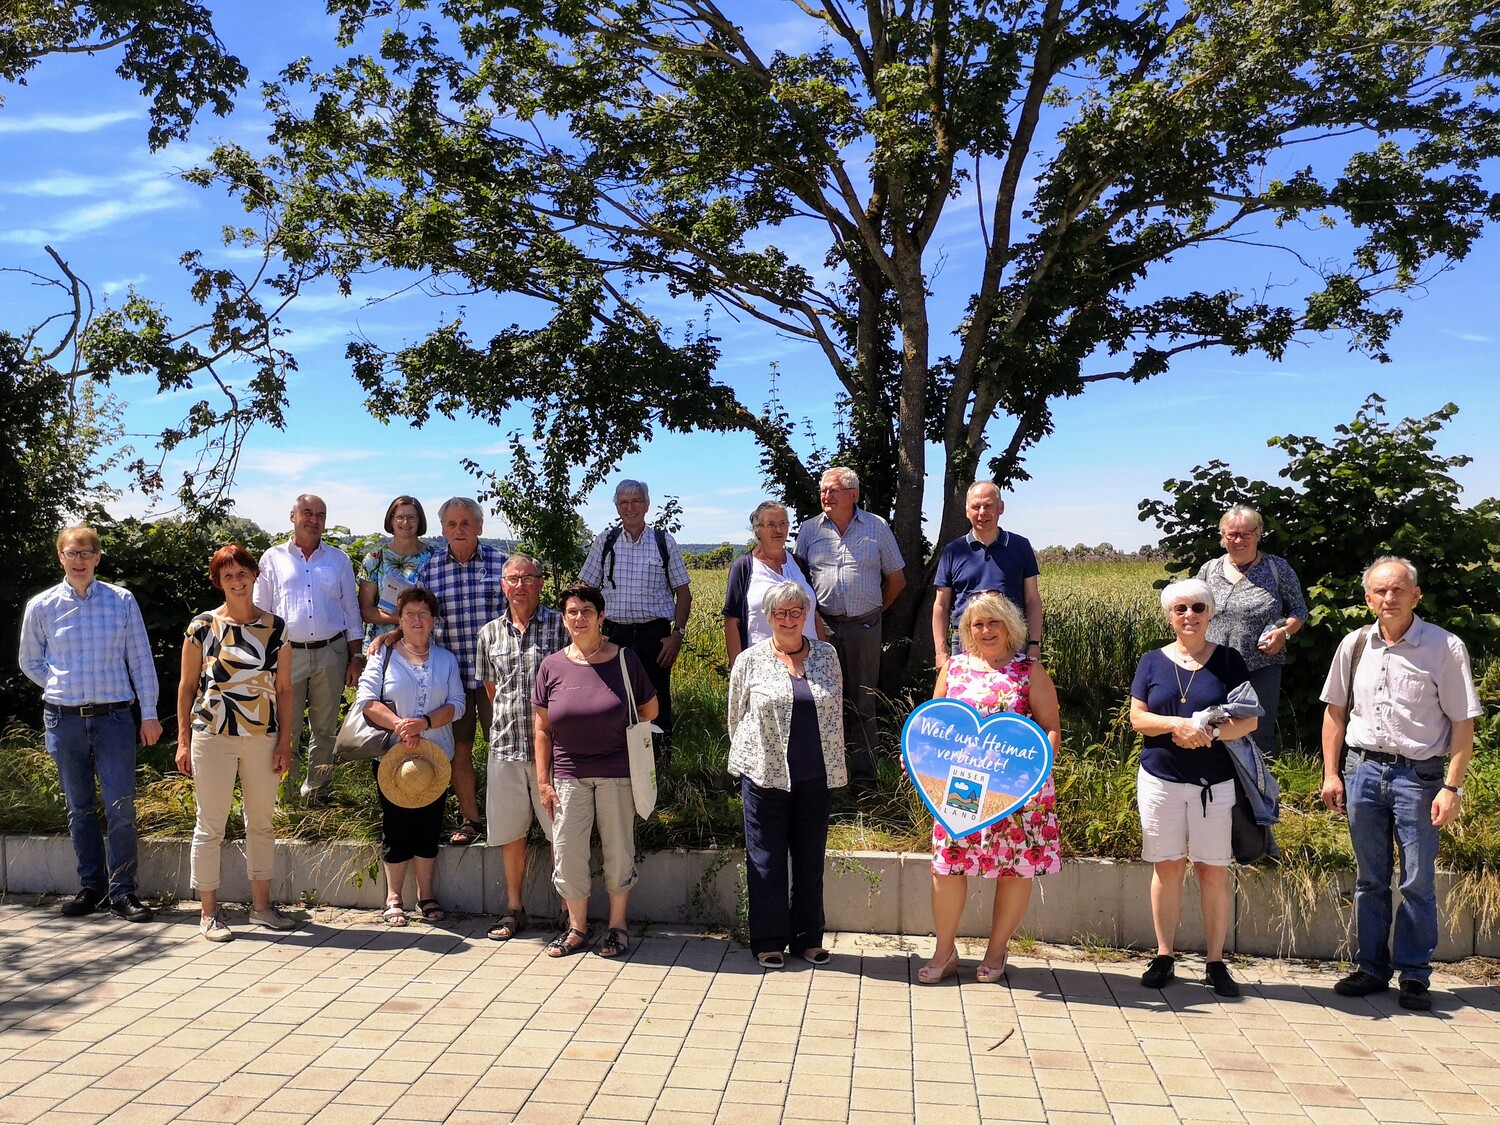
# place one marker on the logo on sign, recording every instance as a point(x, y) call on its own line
point(973, 771)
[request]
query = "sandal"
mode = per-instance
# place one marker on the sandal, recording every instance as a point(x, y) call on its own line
point(770, 960)
point(468, 831)
point(394, 914)
point(927, 974)
point(510, 925)
point(817, 956)
point(989, 974)
point(560, 946)
point(432, 910)
point(615, 942)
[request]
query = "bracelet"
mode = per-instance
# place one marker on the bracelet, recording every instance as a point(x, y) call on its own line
point(1037, 643)
point(429, 721)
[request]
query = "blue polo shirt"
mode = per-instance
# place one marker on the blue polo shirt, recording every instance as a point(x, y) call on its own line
point(970, 567)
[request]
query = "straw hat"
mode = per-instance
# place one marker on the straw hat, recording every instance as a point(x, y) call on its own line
point(414, 777)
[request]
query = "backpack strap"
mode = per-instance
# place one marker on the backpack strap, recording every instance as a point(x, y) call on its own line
point(610, 538)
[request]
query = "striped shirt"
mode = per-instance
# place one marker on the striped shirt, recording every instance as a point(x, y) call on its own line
point(88, 649)
point(636, 587)
point(470, 596)
point(508, 658)
point(845, 570)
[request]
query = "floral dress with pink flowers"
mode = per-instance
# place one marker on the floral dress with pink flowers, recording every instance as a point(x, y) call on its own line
point(1026, 843)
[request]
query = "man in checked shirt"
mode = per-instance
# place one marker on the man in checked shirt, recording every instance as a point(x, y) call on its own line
point(84, 643)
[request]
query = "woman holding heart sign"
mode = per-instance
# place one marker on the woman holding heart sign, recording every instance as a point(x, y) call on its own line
point(992, 677)
point(1185, 786)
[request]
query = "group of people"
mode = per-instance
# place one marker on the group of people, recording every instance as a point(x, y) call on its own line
point(457, 636)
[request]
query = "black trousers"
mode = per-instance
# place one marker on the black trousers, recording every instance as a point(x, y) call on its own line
point(645, 641)
point(786, 844)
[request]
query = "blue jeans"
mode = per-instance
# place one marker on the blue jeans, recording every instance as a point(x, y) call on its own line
point(1392, 805)
point(102, 746)
point(786, 845)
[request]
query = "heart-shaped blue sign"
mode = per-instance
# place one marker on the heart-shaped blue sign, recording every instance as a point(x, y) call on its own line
point(973, 771)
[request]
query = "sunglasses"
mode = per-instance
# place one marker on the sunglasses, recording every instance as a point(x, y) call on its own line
point(1184, 610)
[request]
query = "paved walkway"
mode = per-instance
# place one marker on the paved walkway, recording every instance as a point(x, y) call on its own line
point(346, 1021)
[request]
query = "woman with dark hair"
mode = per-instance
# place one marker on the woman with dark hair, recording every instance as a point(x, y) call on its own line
point(582, 707)
point(786, 745)
point(234, 704)
point(388, 569)
point(416, 693)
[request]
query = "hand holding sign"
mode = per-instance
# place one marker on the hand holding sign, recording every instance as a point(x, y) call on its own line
point(973, 771)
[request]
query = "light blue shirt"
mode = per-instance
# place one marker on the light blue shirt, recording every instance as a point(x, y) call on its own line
point(405, 693)
point(845, 570)
point(91, 648)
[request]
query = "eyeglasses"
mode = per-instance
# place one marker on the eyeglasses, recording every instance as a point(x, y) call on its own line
point(1184, 610)
point(417, 616)
point(79, 556)
point(1238, 535)
point(521, 579)
point(794, 613)
point(580, 611)
point(830, 491)
point(403, 519)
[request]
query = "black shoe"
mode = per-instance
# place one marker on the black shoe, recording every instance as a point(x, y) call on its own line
point(1414, 996)
point(1216, 976)
point(84, 902)
point(1161, 971)
point(131, 909)
point(1360, 983)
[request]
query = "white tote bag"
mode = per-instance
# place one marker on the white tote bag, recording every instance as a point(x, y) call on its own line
point(642, 753)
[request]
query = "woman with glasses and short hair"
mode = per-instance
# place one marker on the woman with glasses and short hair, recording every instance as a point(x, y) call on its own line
point(1260, 606)
point(755, 572)
point(786, 745)
point(1185, 784)
point(390, 568)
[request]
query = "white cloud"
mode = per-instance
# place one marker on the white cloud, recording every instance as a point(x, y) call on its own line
point(148, 196)
point(66, 122)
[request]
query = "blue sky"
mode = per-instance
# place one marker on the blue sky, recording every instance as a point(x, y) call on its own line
point(75, 173)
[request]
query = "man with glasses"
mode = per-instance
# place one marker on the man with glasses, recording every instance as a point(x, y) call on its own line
point(646, 594)
point(1400, 722)
point(856, 571)
point(987, 558)
point(510, 649)
point(83, 642)
point(466, 579)
point(310, 585)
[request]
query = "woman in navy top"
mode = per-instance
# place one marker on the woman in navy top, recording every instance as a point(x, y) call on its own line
point(1185, 785)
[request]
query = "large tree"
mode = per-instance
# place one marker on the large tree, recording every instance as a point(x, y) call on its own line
point(588, 154)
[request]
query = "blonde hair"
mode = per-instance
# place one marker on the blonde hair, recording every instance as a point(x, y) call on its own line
point(991, 606)
point(81, 536)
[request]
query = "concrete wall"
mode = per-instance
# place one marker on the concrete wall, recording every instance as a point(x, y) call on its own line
point(867, 892)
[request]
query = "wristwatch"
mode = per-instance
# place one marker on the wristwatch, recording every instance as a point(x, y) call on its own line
point(1214, 730)
point(681, 631)
point(1456, 790)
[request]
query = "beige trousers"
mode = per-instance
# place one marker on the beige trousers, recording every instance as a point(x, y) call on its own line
point(217, 758)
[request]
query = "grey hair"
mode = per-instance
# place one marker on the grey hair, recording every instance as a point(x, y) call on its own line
point(1187, 590)
point(633, 486)
point(847, 478)
point(466, 502)
point(785, 593)
point(767, 506)
point(1386, 560)
point(978, 484)
point(522, 557)
point(1243, 512)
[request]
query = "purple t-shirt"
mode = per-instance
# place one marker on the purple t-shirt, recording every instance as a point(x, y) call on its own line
point(586, 707)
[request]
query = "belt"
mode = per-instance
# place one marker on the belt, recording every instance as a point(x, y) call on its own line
point(1385, 758)
point(629, 630)
point(324, 643)
point(87, 710)
point(857, 618)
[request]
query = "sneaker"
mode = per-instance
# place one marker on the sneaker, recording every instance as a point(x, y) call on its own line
point(273, 919)
point(1216, 976)
point(214, 929)
point(1360, 983)
point(131, 909)
point(84, 902)
point(1414, 996)
point(1160, 972)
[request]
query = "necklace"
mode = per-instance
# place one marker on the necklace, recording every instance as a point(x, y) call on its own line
point(1182, 692)
point(590, 656)
point(798, 651)
point(411, 649)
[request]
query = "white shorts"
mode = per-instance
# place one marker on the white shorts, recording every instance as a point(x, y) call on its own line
point(1175, 825)
point(511, 799)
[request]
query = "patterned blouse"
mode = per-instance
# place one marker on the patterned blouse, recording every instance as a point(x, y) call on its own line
point(382, 561)
point(237, 684)
point(1268, 592)
point(760, 714)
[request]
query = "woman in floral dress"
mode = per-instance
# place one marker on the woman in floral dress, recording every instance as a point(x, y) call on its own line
point(991, 677)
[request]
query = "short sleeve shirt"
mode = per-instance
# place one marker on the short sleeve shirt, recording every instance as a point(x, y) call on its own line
point(587, 710)
point(509, 659)
point(237, 684)
point(970, 567)
point(1161, 684)
point(846, 570)
point(636, 587)
point(376, 564)
point(469, 595)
